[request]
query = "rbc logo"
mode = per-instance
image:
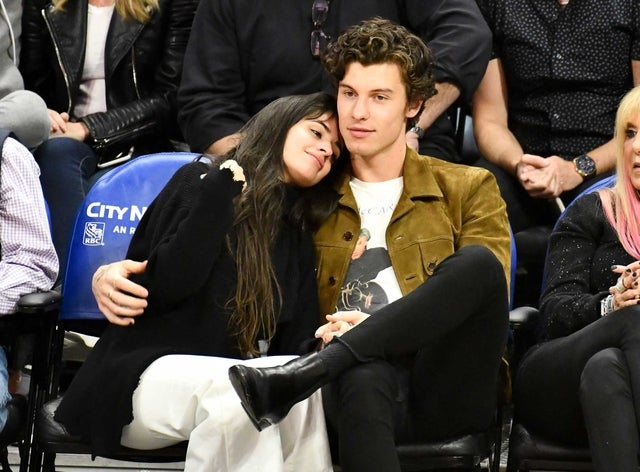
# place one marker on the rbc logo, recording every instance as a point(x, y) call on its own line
point(93, 234)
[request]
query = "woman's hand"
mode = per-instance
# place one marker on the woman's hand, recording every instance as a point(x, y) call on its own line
point(626, 291)
point(339, 323)
point(238, 172)
point(119, 299)
point(62, 127)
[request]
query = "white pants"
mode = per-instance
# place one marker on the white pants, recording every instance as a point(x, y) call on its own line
point(190, 398)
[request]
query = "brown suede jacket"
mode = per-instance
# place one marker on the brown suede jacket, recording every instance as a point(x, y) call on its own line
point(442, 208)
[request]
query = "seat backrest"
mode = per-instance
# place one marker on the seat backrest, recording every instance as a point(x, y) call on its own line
point(106, 222)
point(606, 182)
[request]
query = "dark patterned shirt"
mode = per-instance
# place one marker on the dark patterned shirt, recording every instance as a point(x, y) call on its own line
point(566, 68)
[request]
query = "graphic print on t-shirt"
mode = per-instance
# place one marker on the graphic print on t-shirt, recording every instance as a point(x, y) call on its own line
point(361, 291)
point(371, 282)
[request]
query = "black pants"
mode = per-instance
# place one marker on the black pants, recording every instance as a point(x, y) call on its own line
point(583, 389)
point(429, 364)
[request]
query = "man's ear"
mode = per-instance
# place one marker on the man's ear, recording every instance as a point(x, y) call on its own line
point(413, 108)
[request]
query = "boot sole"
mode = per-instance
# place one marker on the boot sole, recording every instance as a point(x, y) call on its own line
point(239, 385)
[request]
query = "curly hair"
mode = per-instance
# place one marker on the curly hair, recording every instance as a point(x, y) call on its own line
point(378, 41)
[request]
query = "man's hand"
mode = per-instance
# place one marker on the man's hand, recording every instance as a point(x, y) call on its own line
point(119, 299)
point(413, 141)
point(547, 177)
point(339, 323)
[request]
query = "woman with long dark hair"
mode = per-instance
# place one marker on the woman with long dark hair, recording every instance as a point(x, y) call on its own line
point(230, 275)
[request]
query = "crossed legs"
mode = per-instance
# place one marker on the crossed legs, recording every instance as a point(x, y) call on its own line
point(183, 397)
point(586, 387)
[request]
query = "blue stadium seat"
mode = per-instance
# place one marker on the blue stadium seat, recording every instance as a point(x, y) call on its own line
point(106, 221)
point(103, 229)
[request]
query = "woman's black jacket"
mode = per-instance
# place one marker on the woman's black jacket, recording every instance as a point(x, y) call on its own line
point(143, 65)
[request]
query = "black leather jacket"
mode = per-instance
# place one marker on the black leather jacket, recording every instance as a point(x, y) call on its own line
point(143, 65)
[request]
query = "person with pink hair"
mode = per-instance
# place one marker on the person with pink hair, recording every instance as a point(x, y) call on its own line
point(580, 385)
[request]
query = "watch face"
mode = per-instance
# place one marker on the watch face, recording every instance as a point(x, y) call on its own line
point(416, 129)
point(585, 165)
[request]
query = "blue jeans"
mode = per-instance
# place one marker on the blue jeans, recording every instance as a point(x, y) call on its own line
point(68, 169)
point(5, 396)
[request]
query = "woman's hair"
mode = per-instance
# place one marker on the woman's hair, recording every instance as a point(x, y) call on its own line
point(379, 41)
point(622, 203)
point(138, 10)
point(260, 210)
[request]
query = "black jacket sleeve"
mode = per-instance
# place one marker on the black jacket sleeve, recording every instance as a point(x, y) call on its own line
point(211, 98)
point(573, 290)
point(183, 232)
point(458, 36)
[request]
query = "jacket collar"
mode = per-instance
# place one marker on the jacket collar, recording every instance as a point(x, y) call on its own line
point(419, 181)
point(122, 36)
point(69, 35)
point(69, 32)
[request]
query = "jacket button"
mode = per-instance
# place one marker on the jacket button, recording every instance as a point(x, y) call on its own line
point(348, 236)
point(332, 280)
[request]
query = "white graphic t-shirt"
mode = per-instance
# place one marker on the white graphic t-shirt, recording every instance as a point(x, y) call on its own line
point(371, 282)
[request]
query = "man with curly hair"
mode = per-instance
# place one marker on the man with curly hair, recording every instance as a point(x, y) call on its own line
point(425, 365)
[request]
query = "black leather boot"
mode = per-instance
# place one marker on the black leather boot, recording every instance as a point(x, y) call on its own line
point(267, 394)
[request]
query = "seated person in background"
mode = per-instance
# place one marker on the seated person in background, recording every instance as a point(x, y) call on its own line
point(544, 112)
point(111, 93)
point(230, 276)
point(400, 370)
point(580, 385)
point(242, 54)
point(28, 260)
point(21, 111)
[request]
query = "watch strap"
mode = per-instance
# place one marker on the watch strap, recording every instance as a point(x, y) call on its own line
point(417, 130)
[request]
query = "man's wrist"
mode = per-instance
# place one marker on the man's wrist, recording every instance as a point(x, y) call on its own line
point(417, 130)
point(585, 166)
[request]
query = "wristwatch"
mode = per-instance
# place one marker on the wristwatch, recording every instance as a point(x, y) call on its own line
point(585, 166)
point(417, 130)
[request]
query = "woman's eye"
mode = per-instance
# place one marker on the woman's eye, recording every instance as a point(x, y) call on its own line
point(317, 133)
point(631, 133)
